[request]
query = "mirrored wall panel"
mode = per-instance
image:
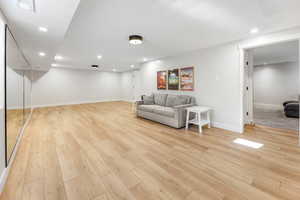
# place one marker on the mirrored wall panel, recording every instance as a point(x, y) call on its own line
point(18, 92)
point(27, 93)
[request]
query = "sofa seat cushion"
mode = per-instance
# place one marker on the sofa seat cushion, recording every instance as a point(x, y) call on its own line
point(148, 108)
point(160, 110)
point(164, 111)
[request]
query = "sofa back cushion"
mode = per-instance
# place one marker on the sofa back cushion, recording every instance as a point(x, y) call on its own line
point(160, 99)
point(176, 100)
point(148, 100)
point(188, 99)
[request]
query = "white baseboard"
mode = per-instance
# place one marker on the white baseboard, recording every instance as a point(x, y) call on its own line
point(5, 172)
point(228, 127)
point(128, 100)
point(74, 103)
point(268, 106)
point(16, 108)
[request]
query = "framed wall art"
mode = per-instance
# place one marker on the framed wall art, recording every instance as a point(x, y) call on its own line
point(173, 79)
point(162, 80)
point(187, 79)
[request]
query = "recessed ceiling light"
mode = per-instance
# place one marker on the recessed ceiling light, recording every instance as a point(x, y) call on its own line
point(99, 57)
point(57, 57)
point(132, 66)
point(42, 54)
point(248, 143)
point(145, 59)
point(114, 70)
point(54, 65)
point(135, 39)
point(26, 5)
point(254, 30)
point(43, 29)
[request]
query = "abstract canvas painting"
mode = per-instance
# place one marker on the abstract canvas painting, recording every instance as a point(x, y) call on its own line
point(187, 79)
point(173, 79)
point(162, 80)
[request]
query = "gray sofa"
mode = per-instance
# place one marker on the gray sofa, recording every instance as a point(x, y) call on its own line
point(165, 108)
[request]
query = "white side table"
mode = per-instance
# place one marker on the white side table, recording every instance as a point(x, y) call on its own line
point(198, 110)
point(133, 104)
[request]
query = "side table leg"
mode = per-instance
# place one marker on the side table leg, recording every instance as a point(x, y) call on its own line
point(199, 123)
point(187, 120)
point(208, 118)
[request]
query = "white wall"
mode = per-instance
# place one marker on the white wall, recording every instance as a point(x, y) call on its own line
point(136, 85)
point(217, 81)
point(275, 84)
point(68, 86)
point(127, 85)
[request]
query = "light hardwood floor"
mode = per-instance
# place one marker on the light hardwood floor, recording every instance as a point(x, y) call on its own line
point(103, 152)
point(15, 122)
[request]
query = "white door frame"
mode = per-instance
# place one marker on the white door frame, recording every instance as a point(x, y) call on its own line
point(248, 87)
point(259, 42)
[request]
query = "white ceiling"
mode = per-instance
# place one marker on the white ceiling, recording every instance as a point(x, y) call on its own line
point(55, 15)
point(170, 27)
point(276, 53)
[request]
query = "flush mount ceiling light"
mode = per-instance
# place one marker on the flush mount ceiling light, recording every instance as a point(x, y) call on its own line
point(43, 29)
point(132, 66)
point(26, 5)
point(114, 70)
point(95, 66)
point(254, 31)
point(145, 59)
point(57, 57)
point(135, 39)
point(54, 65)
point(248, 143)
point(42, 54)
point(99, 57)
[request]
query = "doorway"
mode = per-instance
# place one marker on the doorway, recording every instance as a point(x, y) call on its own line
point(271, 86)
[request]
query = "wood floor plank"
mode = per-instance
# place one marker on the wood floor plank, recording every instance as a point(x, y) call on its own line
point(102, 151)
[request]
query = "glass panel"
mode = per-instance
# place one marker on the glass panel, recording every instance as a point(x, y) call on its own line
point(16, 67)
point(27, 93)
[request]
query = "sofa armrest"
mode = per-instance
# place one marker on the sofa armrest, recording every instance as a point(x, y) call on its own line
point(289, 102)
point(139, 103)
point(180, 113)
